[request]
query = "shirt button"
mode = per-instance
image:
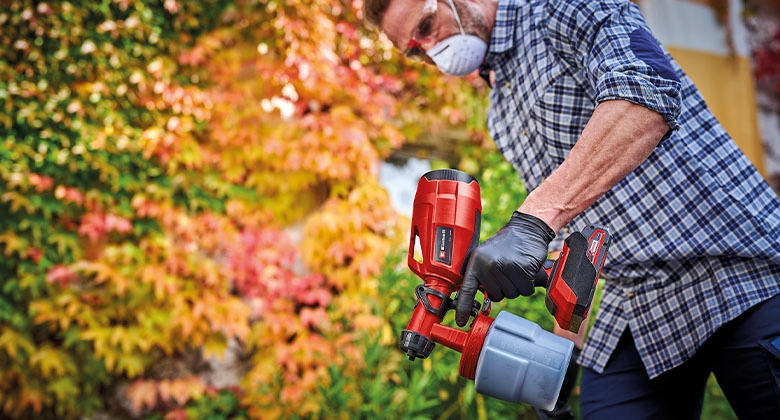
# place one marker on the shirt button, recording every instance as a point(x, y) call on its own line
point(507, 84)
point(630, 295)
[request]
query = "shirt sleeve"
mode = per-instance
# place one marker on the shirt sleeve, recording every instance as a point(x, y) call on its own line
point(609, 44)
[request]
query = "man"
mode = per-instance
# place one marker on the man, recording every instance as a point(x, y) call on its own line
point(605, 128)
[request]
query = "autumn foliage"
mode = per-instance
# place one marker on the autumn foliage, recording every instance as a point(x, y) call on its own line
point(156, 159)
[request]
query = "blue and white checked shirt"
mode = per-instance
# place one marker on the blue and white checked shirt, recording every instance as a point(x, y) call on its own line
point(696, 230)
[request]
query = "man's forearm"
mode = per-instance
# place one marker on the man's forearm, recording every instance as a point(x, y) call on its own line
point(618, 138)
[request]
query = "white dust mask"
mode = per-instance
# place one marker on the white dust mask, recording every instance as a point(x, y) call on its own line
point(460, 54)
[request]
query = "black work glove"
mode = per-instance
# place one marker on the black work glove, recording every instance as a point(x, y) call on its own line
point(505, 264)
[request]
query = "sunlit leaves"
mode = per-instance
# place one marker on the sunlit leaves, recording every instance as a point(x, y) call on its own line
point(147, 394)
point(158, 161)
point(82, 83)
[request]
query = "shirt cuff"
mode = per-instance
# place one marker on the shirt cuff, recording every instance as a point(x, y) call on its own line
point(658, 94)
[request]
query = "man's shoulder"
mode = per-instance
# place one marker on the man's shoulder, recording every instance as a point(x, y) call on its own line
point(587, 9)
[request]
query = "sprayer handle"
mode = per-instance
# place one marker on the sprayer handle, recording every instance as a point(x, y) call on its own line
point(543, 275)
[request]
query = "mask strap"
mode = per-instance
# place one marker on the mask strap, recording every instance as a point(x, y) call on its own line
point(457, 18)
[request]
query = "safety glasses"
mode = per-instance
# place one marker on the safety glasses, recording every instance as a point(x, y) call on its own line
point(424, 29)
point(422, 32)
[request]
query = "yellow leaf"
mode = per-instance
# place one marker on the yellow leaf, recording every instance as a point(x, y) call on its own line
point(48, 360)
point(13, 243)
point(215, 347)
point(64, 243)
point(116, 336)
point(12, 341)
point(132, 365)
point(110, 360)
point(18, 201)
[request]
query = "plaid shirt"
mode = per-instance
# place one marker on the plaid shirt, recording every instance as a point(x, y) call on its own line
point(695, 228)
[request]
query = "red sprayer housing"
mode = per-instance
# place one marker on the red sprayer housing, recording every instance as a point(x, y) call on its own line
point(446, 218)
point(445, 224)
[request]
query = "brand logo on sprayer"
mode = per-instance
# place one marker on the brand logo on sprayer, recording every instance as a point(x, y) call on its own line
point(444, 244)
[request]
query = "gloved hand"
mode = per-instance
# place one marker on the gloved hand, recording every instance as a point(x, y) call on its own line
point(505, 264)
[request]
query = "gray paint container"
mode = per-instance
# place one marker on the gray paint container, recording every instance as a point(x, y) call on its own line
point(521, 362)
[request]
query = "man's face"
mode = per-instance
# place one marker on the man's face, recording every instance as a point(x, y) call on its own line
point(414, 26)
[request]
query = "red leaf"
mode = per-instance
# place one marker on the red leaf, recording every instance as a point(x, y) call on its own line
point(61, 275)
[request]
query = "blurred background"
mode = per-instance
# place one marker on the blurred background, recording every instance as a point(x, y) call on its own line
point(204, 206)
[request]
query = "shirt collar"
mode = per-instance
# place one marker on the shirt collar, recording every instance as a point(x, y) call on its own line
point(503, 36)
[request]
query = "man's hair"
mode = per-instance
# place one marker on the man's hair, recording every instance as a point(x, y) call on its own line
point(374, 10)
